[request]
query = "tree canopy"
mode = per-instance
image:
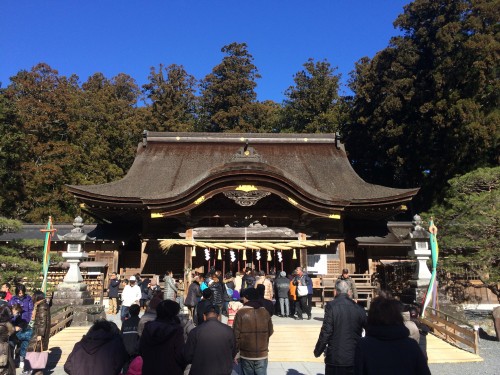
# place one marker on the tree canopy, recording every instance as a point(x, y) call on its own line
point(227, 94)
point(171, 92)
point(469, 226)
point(313, 104)
point(428, 103)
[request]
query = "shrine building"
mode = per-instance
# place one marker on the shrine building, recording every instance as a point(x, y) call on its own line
point(227, 200)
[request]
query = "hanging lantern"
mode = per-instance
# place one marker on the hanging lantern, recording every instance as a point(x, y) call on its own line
point(244, 255)
point(219, 255)
point(193, 252)
point(294, 254)
point(269, 256)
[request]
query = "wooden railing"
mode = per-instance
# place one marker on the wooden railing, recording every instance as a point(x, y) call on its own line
point(451, 329)
point(60, 319)
point(364, 288)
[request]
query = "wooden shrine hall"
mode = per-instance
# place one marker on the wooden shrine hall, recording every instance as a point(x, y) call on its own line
point(227, 200)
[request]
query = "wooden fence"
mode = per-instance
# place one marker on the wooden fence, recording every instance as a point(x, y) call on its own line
point(60, 319)
point(451, 329)
point(364, 288)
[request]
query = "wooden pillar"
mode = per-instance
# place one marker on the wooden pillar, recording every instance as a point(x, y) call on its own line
point(342, 255)
point(188, 261)
point(144, 255)
point(116, 254)
point(303, 251)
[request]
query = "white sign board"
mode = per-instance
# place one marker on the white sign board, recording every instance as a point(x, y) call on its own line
point(317, 263)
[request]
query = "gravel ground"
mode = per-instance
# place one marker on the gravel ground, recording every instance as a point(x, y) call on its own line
point(488, 350)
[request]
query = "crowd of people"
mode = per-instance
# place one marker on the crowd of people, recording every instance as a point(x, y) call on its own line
point(193, 343)
point(389, 339)
point(24, 329)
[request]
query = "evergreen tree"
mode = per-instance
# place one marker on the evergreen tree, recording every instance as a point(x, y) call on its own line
point(227, 94)
point(426, 107)
point(42, 99)
point(171, 92)
point(108, 128)
point(12, 153)
point(312, 105)
point(469, 227)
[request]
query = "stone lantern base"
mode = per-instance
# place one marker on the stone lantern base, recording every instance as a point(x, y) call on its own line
point(416, 292)
point(76, 295)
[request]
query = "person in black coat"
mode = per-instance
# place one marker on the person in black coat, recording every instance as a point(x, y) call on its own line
point(218, 293)
point(193, 295)
point(207, 295)
point(341, 330)
point(248, 280)
point(99, 352)
point(113, 289)
point(144, 293)
point(162, 342)
point(211, 347)
point(387, 349)
point(129, 332)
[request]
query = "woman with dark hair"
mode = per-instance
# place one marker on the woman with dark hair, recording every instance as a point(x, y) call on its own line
point(24, 300)
point(162, 342)
point(7, 365)
point(40, 324)
point(386, 348)
point(99, 352)
point(193, 295)
point(144, 293)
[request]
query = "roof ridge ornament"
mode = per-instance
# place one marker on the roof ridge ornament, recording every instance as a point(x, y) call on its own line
point(247, 154)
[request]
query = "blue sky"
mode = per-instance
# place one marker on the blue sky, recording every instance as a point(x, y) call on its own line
point(85, 37)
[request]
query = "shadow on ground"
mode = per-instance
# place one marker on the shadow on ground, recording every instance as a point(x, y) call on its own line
point(54, 358)
point(483, 335)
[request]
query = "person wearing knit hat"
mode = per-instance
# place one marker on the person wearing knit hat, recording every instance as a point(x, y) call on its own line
point(282, 289)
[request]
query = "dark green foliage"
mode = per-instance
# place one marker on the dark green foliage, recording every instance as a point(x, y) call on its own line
point(171, 92)
point(469, 226)
point(66, 134)
point(227, 94)
point(312, 105)
point(9, 225)
point(12, 149)
point(427, 105)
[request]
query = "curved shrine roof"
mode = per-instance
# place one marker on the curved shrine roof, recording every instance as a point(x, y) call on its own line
point(171, 168)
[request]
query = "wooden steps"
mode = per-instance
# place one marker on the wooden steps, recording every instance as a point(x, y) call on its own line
point(292, 341)
point(295, 343)
point(62, 343)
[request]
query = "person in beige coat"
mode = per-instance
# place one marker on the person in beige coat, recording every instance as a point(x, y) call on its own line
point(262, 279)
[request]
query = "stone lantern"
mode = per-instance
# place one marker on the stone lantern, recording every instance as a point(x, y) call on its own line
point(74, 254)
point(420, 249)
point(73, 291)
